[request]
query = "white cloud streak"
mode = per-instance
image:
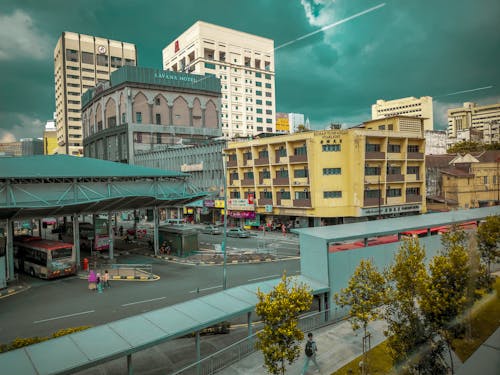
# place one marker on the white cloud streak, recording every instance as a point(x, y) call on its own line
point(332, 25)
point(471, 90)
point(19, 37)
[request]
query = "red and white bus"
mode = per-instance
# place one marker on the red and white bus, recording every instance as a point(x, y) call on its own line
point(46, 259)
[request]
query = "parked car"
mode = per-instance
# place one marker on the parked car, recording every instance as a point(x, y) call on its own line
point(211, 229)
point(238, 232)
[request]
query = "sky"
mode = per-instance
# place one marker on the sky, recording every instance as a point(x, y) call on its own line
point(399, 49)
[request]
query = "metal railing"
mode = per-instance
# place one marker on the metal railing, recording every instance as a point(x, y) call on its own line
point(242, 348)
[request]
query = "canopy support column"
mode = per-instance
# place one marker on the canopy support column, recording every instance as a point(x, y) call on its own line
point(76, 239)
point(249, 322)
point(156, 220)
point(130, 369)
point(10, 250)
point(111, 235)
point(198, 352)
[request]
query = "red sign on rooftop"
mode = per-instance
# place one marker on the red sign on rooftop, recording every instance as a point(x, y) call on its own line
point(176, 46)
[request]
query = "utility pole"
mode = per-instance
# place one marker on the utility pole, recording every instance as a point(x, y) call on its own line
point(379, 196)
point(224, 239)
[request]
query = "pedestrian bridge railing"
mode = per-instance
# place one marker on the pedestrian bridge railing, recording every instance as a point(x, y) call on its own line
point(242, 348)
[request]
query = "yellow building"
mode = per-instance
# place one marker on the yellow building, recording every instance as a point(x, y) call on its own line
point(472, 180)
point(50, 138)
point(80, 62)
point(411, 106)
point(331, 176)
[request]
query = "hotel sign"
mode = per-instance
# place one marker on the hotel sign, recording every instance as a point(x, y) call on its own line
point(331, 134)
point(166, 75)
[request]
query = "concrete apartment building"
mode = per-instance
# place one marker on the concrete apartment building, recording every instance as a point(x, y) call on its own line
point(245, 65)
point(435, 142)
point(411, 106)
point(23, 147)
point(287, 123)
point(474, 123)
point(314, 178)
point(80, 62)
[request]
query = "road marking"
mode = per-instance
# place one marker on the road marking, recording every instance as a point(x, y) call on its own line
point(63, 316)
point(203, 289)
point(263, 277)
point(148, 300)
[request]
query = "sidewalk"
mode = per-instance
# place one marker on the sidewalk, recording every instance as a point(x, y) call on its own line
point(337, 345)
point(13, 289)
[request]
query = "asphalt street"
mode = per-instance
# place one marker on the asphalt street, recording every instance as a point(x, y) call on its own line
point(52, 305)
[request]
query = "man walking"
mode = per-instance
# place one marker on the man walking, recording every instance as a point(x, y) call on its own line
point(310, 351)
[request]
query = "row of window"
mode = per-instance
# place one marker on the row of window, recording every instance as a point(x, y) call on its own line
point(392, 192)
point(391, 148)
point(376, 171)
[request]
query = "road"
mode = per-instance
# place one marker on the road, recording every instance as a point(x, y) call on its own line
point(51, 305)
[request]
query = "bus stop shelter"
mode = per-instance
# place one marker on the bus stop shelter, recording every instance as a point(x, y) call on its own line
point(62, 185)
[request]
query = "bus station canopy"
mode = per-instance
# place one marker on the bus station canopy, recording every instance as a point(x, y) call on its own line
point(57, 185)
point(85, 349)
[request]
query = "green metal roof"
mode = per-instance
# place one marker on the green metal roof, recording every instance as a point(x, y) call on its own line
point(65, 166)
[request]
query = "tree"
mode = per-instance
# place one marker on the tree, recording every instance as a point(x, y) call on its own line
point(406, 330)
point(488, 238)
point(279, 310)
point(364, 294)
point(444, 296)
point(464, 147)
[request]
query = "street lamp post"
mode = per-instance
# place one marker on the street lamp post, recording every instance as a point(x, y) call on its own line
point(224, 239)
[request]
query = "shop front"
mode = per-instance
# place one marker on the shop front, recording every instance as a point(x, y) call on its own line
point(241, 210)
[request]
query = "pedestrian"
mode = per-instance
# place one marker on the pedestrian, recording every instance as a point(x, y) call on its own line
point(92, 280)
point(283, 229)
point(310, 351)
point(106, 279)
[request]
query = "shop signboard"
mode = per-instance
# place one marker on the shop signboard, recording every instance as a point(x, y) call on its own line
point(209, 203)
point(253, 222)
point(242, 214)
point(219, 203)
point(238, 204)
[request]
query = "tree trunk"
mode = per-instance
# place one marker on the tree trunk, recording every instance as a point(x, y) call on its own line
point(451, 357)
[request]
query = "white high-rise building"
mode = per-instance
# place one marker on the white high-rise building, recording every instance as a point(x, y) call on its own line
point(474, 123)
point(245, 65)
point(411, 106)
point(295, 119)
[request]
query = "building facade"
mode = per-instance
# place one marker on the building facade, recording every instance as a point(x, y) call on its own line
point(435, 142)
point(334, 176)
point(245, 65)
point(287, 123)
point(50, 137)
point(23, 147)
point(474, 123)
point(80, 62)
point(143, 110)
point(411, 106)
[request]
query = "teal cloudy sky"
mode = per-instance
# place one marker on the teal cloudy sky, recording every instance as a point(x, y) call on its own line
point(405, 48)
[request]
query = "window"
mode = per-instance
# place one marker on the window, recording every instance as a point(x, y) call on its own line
point(393, 148)
point(260, 128)
point(393, 193)
point(282, 152)
point(259, 119)
point(269, 112)
point(370, 147)
point(268, 102)
point(372, 193)
point(269, 121)
point(268, 95)
point(302, 195)
point(284, 195)
point(157, 101)
point(269, 130)
point(247, 155)
point(235, 194)
point(233, 176)
point(265, 174)
point(332, 194)
point(302, 150)
point(381, 127)
point(331, 171)
point(258, 110)
point(268, 85)
point(485, 180)
point(413, 191)
point(258, 83)
point(102, 60)
point(412, 148)
point(158, 119)
point(372, 171)
point(116, 62)
point(331, 148)
point(88, 58)
point(266, 195)
point(263, 154)
point(282, 173)
point(268, 76)
point(411, 169)
point(138, 117)
point(392, 170)
point(301, 173)
point(257, 92)
point(258, 75)
point(248, 175)
point(258, 101)
point(123, 117)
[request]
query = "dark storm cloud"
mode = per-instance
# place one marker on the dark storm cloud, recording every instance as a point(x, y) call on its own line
point(402, 49)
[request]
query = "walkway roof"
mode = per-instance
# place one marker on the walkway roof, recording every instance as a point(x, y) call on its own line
point(41, 186)
point(85, 349)
point(383, 227)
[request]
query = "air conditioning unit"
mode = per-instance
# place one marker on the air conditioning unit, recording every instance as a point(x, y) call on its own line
point(296, 183)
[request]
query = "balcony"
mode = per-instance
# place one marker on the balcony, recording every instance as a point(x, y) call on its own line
point(261, 161)
point(248, 162)
point(265, 181)
point(372, 202)
point(415, 155)
point(374, 155)
point(265, 202)
point(247, 182)
point(395, 178)
point(281, 181)
point(412, 198)
point(302, 181)
point(232, 163)
point(302, 202)
point(284, 202)
point(298, 158)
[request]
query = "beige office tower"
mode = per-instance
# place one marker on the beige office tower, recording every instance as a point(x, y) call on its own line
point(411, 106)
point(80, 62)
point(474, 123)
point(245, 65)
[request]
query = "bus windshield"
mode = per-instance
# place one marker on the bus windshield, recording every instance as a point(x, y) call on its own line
point(62, 253)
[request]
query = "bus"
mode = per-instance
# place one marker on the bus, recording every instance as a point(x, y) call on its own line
point(45, 259)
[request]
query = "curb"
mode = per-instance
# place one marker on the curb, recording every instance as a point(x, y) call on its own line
point(211, 263)
point(7, 292)
point(82, 276)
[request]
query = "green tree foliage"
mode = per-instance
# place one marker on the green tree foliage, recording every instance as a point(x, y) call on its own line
point(279, 310)
point(444, 297)
point(488, 238)
point(364, 294)
point(464, 147)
